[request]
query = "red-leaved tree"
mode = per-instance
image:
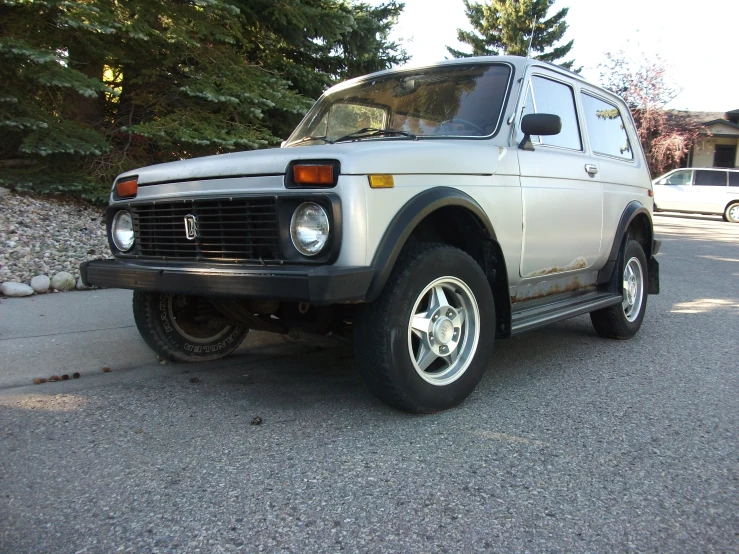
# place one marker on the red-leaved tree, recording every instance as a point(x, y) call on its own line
point(666, 136)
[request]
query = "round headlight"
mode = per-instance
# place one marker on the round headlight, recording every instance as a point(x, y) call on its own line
point(122, 231)
point(309, 228)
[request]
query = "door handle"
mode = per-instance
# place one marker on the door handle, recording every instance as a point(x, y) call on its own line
point(592, 169)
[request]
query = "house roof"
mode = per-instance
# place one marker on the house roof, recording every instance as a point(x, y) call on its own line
point(699, 117)
point(721, 122)
point(708, 119)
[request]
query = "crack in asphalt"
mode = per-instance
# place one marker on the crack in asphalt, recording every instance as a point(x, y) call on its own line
point(68, 333)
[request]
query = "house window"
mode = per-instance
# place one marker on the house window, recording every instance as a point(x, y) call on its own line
point(724, 155)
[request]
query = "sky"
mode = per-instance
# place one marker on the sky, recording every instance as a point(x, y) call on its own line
point(698, 40)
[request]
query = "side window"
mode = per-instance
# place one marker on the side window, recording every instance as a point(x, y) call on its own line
point(734, 178)
point(606, 129)
point(679, 178)
point(547, 96)
point(710, 178)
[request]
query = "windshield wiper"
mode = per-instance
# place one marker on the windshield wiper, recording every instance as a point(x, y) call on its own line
point(324, 138)
point(375, 132)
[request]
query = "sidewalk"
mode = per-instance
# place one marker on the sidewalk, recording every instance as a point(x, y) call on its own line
point(53, 334)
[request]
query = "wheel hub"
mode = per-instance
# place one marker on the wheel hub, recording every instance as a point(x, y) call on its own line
point(443, 330)
point(632, 290)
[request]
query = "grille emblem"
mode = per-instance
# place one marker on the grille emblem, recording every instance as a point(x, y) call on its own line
point(191, 227)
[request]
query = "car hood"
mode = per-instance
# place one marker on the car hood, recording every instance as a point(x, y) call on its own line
point(356, 158)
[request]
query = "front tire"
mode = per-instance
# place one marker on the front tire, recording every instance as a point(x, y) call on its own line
point(424, 344)
point(184, 328)
point(623, 320)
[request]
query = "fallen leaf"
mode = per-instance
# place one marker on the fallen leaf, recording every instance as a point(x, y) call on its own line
point(65, 377)
point(194, 379)
point(76, 375)
point(106, 369)
point(55, 378)
point(139, 431)
point(256, 421)
point(38, 381)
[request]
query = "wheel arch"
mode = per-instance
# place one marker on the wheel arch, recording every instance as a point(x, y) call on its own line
point(449, 216)
point(635, 223)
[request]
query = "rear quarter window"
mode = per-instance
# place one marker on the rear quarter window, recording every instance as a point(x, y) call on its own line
point(606, 128)
point(734, 178)
point(710, 178)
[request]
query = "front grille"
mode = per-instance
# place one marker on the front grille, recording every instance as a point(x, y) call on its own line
point(229, 230)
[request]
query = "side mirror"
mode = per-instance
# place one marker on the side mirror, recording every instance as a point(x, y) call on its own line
point(538, 124)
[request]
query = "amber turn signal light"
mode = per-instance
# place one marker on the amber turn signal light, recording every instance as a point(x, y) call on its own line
point(313, 175)
point(127, 189)
point(381, 181)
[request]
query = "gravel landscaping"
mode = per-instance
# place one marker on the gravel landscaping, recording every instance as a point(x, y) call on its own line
point(42, 236)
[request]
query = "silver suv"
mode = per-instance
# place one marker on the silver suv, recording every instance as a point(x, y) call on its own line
point(424, 213)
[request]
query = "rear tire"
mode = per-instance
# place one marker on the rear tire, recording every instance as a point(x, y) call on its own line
point(731, 214)
point(183, 328)
point(622, 321)
point(424, 344)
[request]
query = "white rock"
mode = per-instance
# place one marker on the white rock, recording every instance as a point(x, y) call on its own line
point(16, 289)
point(81, 285)
point(63, 281)
point(40, 283)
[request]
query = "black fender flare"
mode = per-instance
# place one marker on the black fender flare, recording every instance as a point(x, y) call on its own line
point(406, 220)
point(632, 210)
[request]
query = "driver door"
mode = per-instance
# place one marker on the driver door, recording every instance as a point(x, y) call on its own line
point(561, 191)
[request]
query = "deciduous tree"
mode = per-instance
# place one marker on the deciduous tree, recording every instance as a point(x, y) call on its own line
point(665, 136)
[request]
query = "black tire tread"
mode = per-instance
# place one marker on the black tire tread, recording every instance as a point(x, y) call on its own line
point(147, 325)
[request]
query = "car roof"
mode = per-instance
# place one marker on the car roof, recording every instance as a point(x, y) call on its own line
point(704, 169)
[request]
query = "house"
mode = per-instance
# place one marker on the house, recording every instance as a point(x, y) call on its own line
point(718, 145)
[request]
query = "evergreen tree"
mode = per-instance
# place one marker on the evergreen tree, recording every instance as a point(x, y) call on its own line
point(95, 87)
point(505, 26)
point(317, 43)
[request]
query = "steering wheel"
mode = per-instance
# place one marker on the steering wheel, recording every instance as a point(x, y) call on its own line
point(462, 122)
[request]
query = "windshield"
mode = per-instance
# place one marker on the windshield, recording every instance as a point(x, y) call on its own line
point(449, 101)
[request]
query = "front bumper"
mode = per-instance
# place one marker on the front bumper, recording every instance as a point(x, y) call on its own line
point(318, 284)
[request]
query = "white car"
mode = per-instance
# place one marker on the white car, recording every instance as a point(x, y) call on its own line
point(700, 191)
point(422, 212)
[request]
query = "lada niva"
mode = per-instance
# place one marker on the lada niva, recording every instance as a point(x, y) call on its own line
point(422, 213)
